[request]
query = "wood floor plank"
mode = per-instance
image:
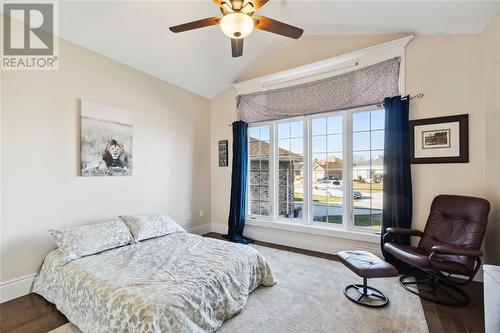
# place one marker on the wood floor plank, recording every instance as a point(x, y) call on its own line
point(433, 322)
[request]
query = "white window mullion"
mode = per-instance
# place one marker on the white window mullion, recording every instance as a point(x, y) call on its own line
point(347, 171)
point(273, 143)
point(307, 201)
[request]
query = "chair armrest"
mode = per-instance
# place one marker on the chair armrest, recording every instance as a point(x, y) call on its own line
point(404, 232)
point(449, 249)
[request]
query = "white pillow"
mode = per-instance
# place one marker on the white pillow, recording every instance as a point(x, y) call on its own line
point(149, 226)
point(89, 239)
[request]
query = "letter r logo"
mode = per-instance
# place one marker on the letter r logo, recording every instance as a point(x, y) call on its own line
point(28, 29)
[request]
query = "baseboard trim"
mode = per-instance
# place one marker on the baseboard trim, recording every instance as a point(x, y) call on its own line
point(22, 286)
point(16, 287)
point(310, 242)
point(201, 229)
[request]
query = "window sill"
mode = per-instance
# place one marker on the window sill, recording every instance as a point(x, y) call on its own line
point(315, 230)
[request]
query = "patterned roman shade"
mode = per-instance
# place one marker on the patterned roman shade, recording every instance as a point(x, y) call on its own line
point(365, 86)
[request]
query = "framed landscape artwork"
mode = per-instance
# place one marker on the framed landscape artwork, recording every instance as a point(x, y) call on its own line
point(106, 137)
point(440, 140)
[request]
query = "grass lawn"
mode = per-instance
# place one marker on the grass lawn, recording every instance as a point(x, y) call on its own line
point(360, 220)
point(318, 198)
point(366, 186)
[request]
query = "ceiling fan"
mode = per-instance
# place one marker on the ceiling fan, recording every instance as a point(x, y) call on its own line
point(237, 22)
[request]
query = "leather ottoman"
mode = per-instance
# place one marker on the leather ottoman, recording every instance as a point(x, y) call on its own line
point(366, 265)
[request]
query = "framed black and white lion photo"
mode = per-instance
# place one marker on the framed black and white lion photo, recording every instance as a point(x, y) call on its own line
point(106, 137)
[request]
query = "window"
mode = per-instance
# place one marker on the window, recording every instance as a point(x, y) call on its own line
point(290, 161)
point(326, 166)
point(323, 170)
point(259, 170)
point(368, 168)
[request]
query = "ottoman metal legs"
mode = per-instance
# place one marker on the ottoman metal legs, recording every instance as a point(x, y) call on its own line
point(366, 295)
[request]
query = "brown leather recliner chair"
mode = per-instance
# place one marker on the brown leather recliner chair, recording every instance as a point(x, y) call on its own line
point(450, 244)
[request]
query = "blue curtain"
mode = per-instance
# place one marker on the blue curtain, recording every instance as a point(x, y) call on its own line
point(236, 221)
point(397, 177)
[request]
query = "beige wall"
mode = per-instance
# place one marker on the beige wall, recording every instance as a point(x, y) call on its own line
point(490, 61)
point(446, 68)
point(40, 183)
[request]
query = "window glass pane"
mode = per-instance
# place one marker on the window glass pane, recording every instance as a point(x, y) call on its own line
point(334, 125)
point(360, 121)
point(335, 213)
point(361, 141)
point(319, 158)
point(264, 133)
point(336, 159)
point(253, 133)
point(334, 142)
point(378, 119)
point(254, 178)
point(254, 147)
point(284, 147)
point(283, 130)
point(361, 159)
point(318, 126)
point(290, 174)
point(297, 146)
point(377, 160)
point(368, 169)
point(319, 144)
point(319, 212)
point(327, 178)
point(255, 164)
point(264, 149)
point(297, 129)
point(254, 208)
point(377, 140)
point(259, 191)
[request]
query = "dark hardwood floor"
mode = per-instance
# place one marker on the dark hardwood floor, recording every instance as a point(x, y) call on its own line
point(33, 314)
point(30, 313)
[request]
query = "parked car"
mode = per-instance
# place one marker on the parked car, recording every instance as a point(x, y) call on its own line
point(326, 184)
point(339, 193)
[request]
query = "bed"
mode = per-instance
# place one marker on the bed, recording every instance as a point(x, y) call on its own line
point(175, 283)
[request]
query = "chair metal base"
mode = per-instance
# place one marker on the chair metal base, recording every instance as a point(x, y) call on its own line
point(368, 296)
point(435, 289)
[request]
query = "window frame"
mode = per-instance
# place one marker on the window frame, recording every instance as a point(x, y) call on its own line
point(271, 173)
point(276, 216)
point(307, 221)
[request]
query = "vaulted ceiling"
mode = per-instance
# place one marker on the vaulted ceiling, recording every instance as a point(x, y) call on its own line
point(136, 32)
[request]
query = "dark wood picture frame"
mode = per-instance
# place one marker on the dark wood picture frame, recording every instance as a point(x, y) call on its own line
point(223, 153)
point(462, 119)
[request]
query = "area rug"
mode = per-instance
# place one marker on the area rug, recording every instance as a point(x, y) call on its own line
point(308, 297)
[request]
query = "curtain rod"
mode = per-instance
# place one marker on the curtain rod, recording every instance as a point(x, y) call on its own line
point(419, 95)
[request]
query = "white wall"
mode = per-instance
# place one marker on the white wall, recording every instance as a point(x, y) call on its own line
point(40, 164)
point(446, 68)
point(490, 70)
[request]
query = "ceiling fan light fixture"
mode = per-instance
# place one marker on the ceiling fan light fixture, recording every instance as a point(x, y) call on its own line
point(236, 25)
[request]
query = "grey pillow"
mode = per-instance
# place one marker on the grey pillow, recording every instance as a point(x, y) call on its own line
point(149, 226)
point(89, 239)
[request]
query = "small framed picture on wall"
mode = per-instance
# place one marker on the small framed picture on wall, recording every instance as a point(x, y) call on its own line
point(440, 140)
point(223, 154)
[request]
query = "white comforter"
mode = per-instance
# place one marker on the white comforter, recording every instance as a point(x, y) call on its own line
point(176, 283)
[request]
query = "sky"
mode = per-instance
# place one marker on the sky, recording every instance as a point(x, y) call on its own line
point(368, 134)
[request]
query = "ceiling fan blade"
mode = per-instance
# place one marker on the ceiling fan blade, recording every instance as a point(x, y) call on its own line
point(258, 3)
point(237, 47)
point(277, 27)
point(195, 24)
